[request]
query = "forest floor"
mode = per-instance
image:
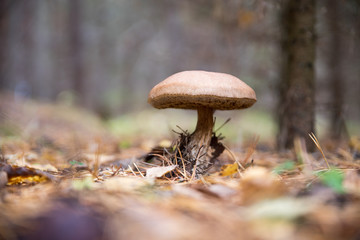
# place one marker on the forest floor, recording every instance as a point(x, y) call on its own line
point(64, 176)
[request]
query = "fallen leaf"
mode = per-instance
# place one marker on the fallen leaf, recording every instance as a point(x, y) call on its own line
point(281, 208)
point(159, 171)
point(229, 169)
point(24, 175)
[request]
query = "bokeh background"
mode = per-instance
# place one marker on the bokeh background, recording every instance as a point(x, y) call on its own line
point(105, 56)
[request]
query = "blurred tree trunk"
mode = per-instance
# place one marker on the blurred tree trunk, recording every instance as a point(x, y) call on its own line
point(29, 54)
point(297, 86)
point(4, 5)
point(357, 47)
point(336, 83)
point(76, 62)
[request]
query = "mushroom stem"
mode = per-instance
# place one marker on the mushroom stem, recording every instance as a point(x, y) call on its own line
point(205, 123)
point(200, 141)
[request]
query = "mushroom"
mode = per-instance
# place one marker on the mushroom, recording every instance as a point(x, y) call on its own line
point(205, 92)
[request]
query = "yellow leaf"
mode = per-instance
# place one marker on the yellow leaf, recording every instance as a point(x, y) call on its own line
point(229, 169)
point(18, 180)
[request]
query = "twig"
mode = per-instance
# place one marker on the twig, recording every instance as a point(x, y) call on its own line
point(316, 141)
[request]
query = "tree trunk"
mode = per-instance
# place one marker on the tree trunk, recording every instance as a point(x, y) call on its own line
point(337, 124)
point(24, 86)
point(357, 52)
point(297, 86)
point(76, 48)
point(4, 8)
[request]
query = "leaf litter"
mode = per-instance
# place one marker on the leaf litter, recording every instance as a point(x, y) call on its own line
point(96, 192)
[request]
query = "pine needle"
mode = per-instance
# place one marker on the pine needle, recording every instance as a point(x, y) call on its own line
point(132, 171)
point(234, 158)
point(183, 163)
point(194, 169)
point(139, 170)
point(251, 148)
point(227, 120)
point(316, 141)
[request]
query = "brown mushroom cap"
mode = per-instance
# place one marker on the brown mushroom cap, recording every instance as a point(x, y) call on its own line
point(194, 89)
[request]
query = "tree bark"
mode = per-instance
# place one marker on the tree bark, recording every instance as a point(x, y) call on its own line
point(4, 8)
point(297, 85)
point(76, 48)
point(336, 83)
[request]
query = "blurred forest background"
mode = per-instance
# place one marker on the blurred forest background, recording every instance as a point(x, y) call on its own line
point(106, 55)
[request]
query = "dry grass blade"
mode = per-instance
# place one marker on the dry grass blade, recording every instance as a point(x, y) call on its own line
point(316, 141)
